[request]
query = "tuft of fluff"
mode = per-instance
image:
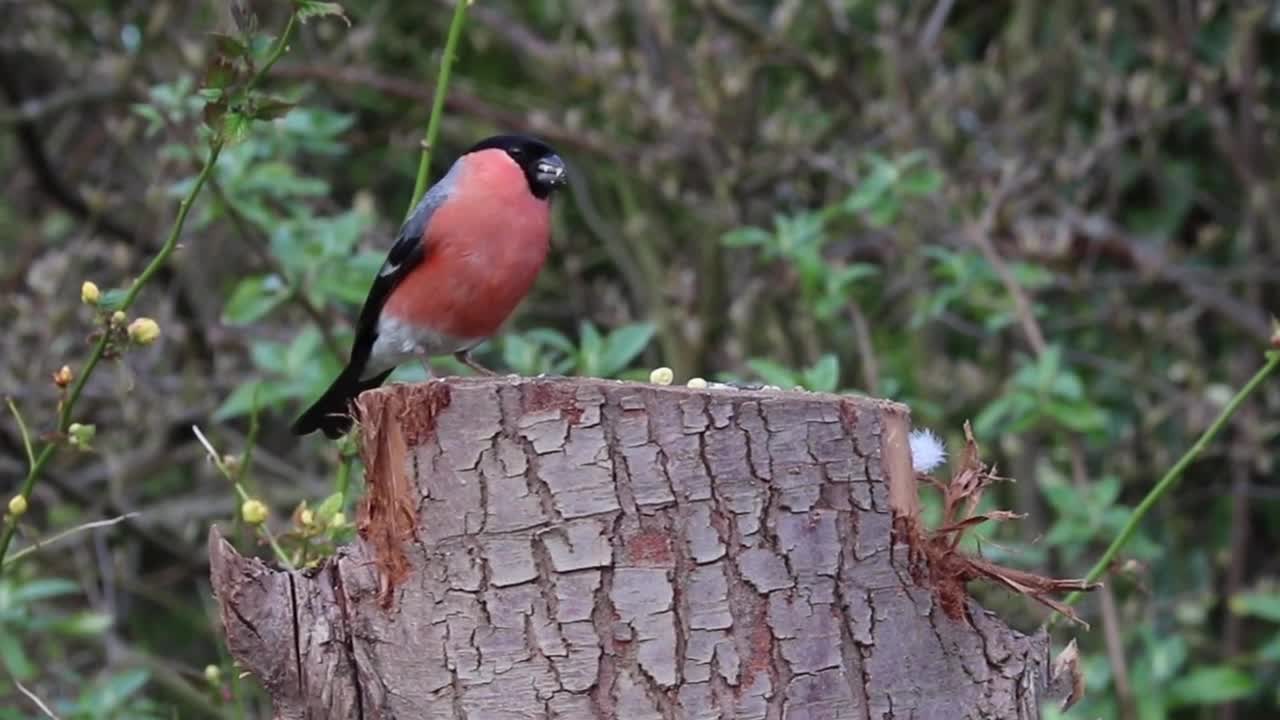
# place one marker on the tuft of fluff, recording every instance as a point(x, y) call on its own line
point(928, 452)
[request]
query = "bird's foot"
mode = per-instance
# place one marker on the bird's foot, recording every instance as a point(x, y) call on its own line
point(464, 357)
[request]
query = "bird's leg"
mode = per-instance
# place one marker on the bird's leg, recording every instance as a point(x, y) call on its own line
point(464, 357)
point(425, 359)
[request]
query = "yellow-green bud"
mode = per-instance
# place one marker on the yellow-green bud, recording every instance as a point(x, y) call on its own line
point(306, 518)
point(213, 674)
point(89, 293)
point(661, 376)
point(117, 318)
point(253, 511)
point(17, 506)
point(144, 331)
point(697, 383)
point(81, 436)
point(338, 520)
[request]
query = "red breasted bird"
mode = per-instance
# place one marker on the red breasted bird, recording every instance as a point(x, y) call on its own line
point(464, 258)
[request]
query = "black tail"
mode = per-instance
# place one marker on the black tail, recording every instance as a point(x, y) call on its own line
point(331, 414)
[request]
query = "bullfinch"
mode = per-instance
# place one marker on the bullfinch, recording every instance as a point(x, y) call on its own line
point(463, 259)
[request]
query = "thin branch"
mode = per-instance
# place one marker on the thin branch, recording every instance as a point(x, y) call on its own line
point(22, 428)
point(244, 495)
point(437, 101)
point(980, 235)
point(68, 405)
point(38, 545)
point(1171, 477)
point(33, 698)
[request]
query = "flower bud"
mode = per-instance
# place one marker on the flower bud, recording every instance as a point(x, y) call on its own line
point(253, 511)
point(697, 383)
point(231, 463)
point(63, 377)
point(661, 376)
point(89, 293)
point(81, 436)
point(117, 318)
point(306, 518)
point(17, 506)
point(144, 331)
point(338, 521)
point(213, 674)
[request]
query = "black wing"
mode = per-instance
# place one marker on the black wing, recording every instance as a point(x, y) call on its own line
point(406, 253)
point(329, 413)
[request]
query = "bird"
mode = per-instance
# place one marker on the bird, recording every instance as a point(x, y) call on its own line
point(463, 259)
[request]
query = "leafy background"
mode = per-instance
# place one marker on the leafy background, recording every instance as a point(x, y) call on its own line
point(1057, 220)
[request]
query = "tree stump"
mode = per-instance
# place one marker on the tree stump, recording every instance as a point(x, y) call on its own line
point(588, 549)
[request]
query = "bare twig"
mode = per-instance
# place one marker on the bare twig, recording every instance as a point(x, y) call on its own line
point(980, 235)
point(933, 27)
point(38, 545)
point(244, 495)
point(33, 698)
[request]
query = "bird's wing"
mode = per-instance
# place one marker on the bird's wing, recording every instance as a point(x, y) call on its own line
point(409, 249)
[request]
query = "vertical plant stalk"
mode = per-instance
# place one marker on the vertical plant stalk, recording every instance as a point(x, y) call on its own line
point(99, 349)
point(437, 99)
point(67, 406)
point(1175, 472)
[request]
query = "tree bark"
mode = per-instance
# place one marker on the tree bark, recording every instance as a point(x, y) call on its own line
point(570, 548)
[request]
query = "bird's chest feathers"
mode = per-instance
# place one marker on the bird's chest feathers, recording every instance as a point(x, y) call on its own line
point(485, 250)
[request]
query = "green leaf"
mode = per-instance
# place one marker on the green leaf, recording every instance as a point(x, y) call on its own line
point(746, 237)
point(590, 355)
point(921, 182)
point(773, 373)
point(308, 9)
point(870, 191)
point(112, 300)
point(253, 298)
point(883, 214)
point(824, 375)
point(1212, 685)
point(220, 73)
point(112, 693)
point(551, 338)
point(239, 402)
point(235, 127)
point(1259, 604)
point(229, 46)
point(270, 108)
point(30, 592)
point(331, 505)
point(83, 624)
point(520, 354)
point(14, 656)
point(623, 345)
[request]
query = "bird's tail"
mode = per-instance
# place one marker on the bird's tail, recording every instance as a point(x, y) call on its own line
point(331, 414)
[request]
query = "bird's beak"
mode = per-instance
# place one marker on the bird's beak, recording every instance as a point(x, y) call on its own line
point(550, 171)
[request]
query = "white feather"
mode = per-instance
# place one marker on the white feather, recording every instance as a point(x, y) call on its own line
point(928, 452)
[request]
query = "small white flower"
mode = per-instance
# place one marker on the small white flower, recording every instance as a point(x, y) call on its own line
point(928, 452)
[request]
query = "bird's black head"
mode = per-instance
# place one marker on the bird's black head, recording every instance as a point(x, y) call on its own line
point(542, 167)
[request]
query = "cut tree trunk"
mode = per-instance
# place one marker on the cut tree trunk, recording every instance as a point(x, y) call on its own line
point(583, 549)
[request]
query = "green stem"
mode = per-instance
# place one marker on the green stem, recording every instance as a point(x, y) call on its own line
point(437, 100)
point(68, 405)
point(277, 50)
point(1175, 472)
point(26, 436)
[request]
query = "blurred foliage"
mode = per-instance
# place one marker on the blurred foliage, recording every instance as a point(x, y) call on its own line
point(1055, 219)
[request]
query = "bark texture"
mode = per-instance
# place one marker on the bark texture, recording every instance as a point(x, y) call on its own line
point(583, 549)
